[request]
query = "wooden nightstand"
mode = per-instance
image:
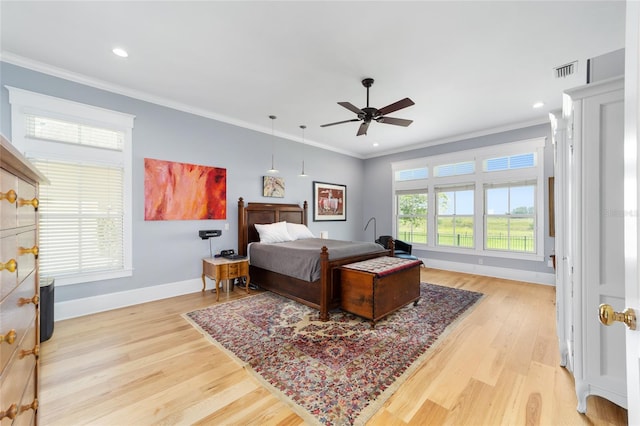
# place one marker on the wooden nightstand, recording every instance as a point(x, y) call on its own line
point(219, 268)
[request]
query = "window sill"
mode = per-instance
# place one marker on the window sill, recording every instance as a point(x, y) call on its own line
point(90, 277)
point(532, 257)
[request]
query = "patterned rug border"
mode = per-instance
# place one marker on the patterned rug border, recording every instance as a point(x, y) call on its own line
point(368, 412)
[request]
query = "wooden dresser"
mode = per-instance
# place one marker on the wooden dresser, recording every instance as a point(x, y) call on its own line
point(19, 288)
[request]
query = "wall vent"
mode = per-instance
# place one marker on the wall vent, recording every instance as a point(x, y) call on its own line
point(566, 70)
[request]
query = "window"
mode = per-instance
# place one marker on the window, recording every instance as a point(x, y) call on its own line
point(85, 212)
point(412, 174)
point(510, 163)
point(455, 169)
point(412, 217)
point(484, 201)
point(510, 217)
point(455, 218)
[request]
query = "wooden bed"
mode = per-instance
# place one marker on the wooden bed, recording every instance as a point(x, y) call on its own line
point(323, 294)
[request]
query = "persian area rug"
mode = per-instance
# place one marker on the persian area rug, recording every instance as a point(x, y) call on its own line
point(337, 372)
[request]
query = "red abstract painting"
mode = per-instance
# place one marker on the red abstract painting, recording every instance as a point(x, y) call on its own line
point(181, 191)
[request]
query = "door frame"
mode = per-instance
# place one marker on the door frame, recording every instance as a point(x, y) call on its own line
point(631, 198)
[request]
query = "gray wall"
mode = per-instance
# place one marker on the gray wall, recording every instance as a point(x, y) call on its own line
point(378, 194)
point(170, 251)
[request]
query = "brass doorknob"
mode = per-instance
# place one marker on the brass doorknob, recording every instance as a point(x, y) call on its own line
point(608, 316)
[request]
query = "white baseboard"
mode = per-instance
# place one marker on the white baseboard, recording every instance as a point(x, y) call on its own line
point(91, 305)
point(492, 271)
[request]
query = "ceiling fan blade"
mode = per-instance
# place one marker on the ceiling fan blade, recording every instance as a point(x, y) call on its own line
point(406, 102)
point(351, 107)
point(363, 128)
point(396, 121)
point(339, 122)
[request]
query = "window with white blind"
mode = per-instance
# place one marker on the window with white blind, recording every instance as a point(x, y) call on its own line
point(85, 211)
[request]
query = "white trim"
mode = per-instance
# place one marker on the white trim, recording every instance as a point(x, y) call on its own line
point(461, 137)
point(500, 150)
point(26, 102)
point(75, 110)
point(106, 302)
point(478, 179)
point(91, 277)
point(493, 271)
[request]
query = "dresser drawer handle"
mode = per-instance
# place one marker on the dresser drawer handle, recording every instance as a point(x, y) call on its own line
point(9, 266)
point(33, 406)
point(35, 352)
point(10, 337)
point(33, 250)
point(23, 300)
point(10, 196)
point(11, 412)
point(33, 202)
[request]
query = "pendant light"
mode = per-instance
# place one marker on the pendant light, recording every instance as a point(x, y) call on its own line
point(303, 174)
point(273, 147)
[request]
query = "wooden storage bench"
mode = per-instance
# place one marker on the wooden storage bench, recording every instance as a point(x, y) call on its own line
point(377, 287)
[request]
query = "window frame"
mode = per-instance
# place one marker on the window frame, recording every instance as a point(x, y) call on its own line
point(479, 178)
point(24, 102)
point(508, 216)
point(400, 216)
point(454, 215)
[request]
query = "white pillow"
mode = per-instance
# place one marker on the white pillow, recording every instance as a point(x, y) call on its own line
point(273, 232)
point(299, 231)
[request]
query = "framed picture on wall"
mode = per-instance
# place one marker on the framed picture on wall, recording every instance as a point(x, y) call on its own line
point(272, 186)
point(329, 201)
point(182, 191)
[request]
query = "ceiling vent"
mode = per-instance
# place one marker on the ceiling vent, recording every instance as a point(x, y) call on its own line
point(566, 70)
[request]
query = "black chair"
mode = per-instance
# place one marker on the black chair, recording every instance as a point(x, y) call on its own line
point(401, 249)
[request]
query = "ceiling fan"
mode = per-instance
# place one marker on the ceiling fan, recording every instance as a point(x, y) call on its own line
point(368, 113)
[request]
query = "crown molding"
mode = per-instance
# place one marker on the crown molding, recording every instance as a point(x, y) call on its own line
point(41, 67)
point(21, 61)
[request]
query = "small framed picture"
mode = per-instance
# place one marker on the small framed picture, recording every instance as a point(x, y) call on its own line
point(329, 201)
point(273, 186)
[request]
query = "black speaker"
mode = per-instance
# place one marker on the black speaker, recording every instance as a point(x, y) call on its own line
point(47, 296)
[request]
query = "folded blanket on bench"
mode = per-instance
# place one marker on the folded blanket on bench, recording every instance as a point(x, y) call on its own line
point(381, 266)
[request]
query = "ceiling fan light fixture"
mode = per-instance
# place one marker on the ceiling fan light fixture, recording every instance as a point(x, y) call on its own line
point(303, 174)
point(273, 169)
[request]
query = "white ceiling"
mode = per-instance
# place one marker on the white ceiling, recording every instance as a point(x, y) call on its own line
point(470, 67)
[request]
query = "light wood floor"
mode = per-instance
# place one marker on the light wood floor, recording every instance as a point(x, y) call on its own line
point(146, 365)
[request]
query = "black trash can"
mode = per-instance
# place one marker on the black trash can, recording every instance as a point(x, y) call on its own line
point(47, 291)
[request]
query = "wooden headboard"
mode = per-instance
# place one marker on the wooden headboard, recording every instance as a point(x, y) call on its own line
point(260, 213)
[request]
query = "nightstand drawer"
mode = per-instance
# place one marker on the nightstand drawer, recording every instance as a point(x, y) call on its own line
point(233, 270)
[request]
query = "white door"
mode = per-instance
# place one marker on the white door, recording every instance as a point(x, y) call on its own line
point(631, 205)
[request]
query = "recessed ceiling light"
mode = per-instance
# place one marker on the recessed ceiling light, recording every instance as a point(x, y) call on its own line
point(376, 144)
point(538, 105)
point(120, 52)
